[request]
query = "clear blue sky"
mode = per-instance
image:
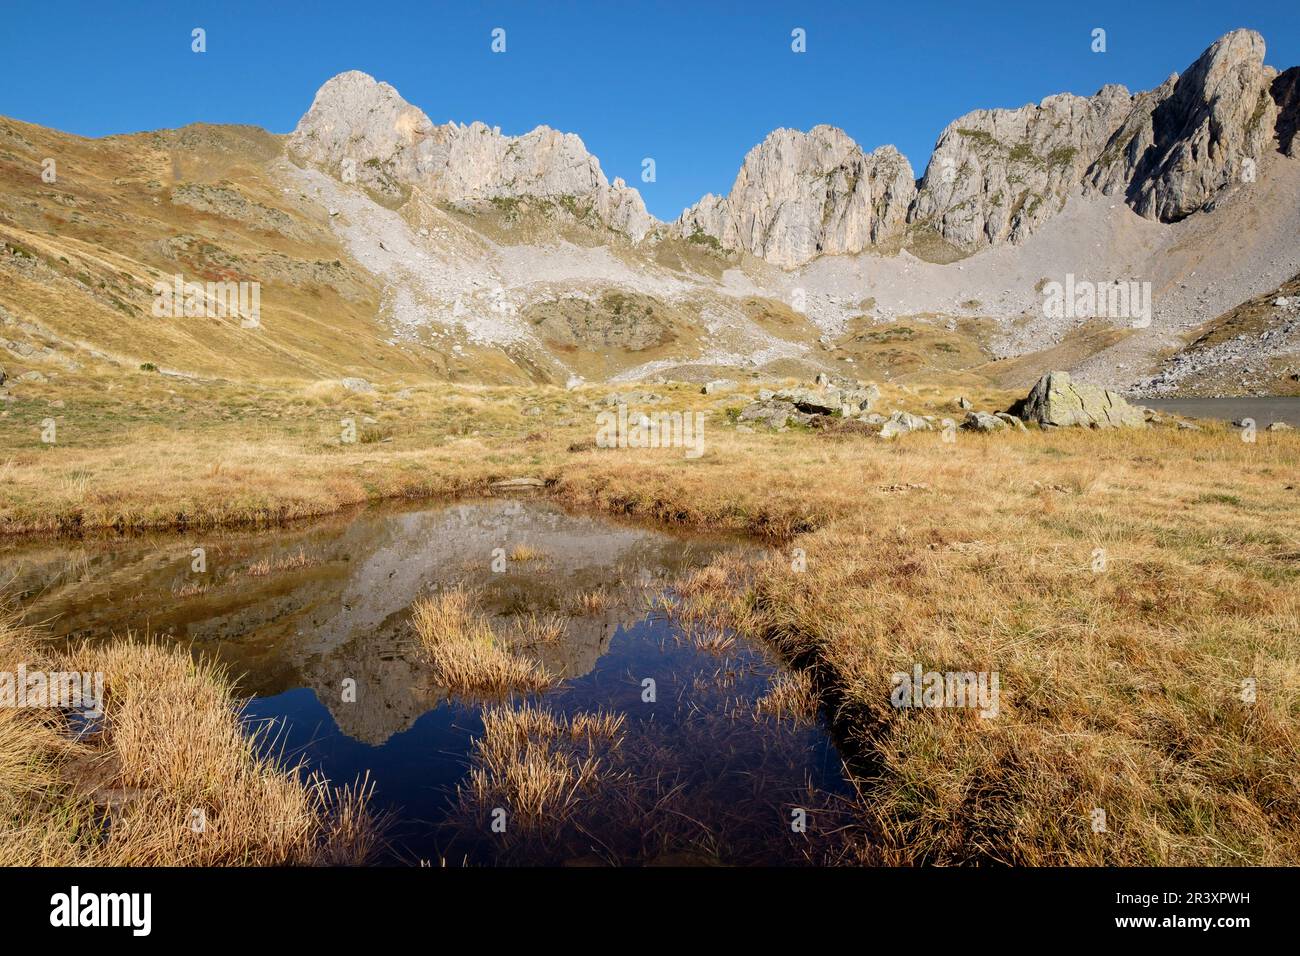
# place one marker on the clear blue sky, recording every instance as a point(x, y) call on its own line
point(693, 85)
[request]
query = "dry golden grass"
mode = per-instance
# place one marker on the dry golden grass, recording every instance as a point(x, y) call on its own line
point(539, 765)
point(467, 655)
point(171, 751)
point(792, 697)
point(525, 553)
point(593, 602)
point(585, 787)
point(535, 630)
point(711, 640)
point(267, 566)
point(1120, 689)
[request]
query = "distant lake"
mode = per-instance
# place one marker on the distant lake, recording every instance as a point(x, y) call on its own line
point(1264, 411)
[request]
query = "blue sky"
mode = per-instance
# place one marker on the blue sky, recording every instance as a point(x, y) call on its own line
point(693, 85)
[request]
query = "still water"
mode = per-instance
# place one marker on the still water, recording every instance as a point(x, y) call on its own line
point(1264, 410)
point(303, 614)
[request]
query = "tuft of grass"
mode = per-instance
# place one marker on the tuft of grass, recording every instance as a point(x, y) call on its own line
point(524, 553)
point(535, 630)
point(593, 602)
point(267, 566)
point(172, 775)
point(538, 764)
point(465, 653)
point(792, 696)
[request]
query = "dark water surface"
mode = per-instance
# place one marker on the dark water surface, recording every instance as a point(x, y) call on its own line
point(297, 613)
point(1264, 410)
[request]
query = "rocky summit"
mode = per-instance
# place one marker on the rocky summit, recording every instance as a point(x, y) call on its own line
point(363, 131)
point(381, 245)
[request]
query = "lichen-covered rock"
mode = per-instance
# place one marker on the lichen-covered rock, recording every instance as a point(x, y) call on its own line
point(813, 401)
point(362, 130)
point(901, 423)
point(1010, 420)
point(800, 195)
point(774, 413)
point(996, 175)
point(1056, 401)
point(982, 422)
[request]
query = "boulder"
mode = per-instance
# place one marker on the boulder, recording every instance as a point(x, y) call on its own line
point(632, 398)
point(862, 397)
point(1010, 420)
point(828, 397)
point(813, 401)
point(716, 385)
point(900, 423)
point(982, 422)
point(357, 385)
point(774, 413)
point(1056, 401)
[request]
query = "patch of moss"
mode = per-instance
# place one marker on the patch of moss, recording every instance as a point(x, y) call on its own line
point(702, 238)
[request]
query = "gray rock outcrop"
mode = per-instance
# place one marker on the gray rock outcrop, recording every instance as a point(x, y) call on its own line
point(902, 423)
point(982, 422)
point(996, 175)
point(358, 127)
point(774, 413)
point(1056, 401)
point(1202, 132)
point(1286, 94)
point(800, 195)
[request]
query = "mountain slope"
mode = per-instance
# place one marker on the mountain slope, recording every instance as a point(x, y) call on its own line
point(390, 248)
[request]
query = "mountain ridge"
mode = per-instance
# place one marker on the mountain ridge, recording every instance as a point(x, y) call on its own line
point(387, 245)
point(994, 176)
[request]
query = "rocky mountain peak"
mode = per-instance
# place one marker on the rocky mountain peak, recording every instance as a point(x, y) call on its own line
point(1197, 134)
point(362, 130)
point(799, 195)
point(997, 174)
